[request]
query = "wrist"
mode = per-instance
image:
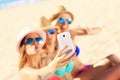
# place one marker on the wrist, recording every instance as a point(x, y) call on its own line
point(51, 68)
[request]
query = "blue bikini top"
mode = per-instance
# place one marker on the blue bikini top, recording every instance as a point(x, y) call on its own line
point(69, 67)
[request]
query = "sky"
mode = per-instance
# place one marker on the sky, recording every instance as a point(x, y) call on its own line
point(4, 4)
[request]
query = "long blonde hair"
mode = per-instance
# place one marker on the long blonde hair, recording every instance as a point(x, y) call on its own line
point(26, 59)
point(23, 57)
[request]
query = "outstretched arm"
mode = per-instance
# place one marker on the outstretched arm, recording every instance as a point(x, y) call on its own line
point(28, 73)
point(86, 31)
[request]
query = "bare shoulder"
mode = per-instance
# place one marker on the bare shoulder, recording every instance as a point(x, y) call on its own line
point(28, 74)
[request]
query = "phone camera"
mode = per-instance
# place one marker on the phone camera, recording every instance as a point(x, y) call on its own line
point(63, 35)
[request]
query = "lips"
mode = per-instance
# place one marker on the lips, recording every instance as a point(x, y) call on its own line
point(63, 29)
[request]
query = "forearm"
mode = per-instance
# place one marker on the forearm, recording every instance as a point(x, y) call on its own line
point(36, 74)
point(81, 32)
point(45, 73)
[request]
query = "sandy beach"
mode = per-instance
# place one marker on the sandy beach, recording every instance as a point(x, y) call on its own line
point(88, 13)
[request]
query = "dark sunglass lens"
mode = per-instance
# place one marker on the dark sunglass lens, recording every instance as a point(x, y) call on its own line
point(69, 21)
point(29, 40)
point(51, 31)
point(39, 39)
point(61, 20)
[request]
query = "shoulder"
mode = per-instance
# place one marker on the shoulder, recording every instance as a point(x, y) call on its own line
point(28, 73)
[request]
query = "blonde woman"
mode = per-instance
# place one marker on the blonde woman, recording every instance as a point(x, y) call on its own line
point(32, 63)
point(51, 47)
point(63, 19)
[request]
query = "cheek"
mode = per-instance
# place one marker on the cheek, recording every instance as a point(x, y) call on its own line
point(41, 45)
point(58, 24)
point(29, 49)
point(49, 36)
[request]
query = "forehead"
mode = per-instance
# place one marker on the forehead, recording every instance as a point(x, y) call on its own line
point(32, 35)
point(65, 15)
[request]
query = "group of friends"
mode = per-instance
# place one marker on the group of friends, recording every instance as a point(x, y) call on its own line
point(41, 58)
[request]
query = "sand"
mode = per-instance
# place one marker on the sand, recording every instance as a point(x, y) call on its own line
point(88, 13)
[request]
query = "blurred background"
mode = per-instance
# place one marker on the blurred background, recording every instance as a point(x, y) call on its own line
point(17, 14)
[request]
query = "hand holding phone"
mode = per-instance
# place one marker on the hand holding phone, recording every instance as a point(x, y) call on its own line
point(64, 39)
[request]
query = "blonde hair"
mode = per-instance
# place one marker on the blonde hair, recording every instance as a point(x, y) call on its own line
point(44, 22)
point(24, 59)
point(61, 9)
point(45, 25)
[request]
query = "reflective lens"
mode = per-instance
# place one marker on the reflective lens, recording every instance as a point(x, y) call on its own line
point(51, 31)
point(69, 21)
point(62, 20)
point(39, 39)
point(31, 40)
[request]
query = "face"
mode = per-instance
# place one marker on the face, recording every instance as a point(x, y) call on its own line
point(64, 20)
point(51, 35)
point(33, 44)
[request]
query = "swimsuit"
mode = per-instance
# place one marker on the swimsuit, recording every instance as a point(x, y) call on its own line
point(62, 71)
point(69, 67)
point(77, 50)
point(86, 67)
point(54, 77)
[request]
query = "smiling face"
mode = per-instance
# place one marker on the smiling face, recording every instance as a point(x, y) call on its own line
point(33, 44)
point(64, 20)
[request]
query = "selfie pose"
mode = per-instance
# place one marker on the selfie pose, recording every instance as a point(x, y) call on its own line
point(62, 20)
point(32, 63)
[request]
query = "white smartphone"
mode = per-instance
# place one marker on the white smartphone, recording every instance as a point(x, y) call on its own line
point(64, 39)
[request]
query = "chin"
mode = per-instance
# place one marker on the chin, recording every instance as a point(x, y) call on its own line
point(63, 30)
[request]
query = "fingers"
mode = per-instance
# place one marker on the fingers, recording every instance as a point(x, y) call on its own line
point(96, 29)
point(64, 48)
point(60, 52)
point(73, 56)
point(68, 59)
point(65, 55)
point(86, 30)
point(61, 64)
point(92, 30)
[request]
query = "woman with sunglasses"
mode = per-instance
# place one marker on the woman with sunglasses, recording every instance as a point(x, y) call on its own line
point(51, 48)
point(62, 19)
point(32, 63)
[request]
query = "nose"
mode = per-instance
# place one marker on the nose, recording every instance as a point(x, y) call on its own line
point(35, 43)
point(65, 25)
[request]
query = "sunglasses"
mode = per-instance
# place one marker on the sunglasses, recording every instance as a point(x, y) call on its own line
point(51, 31)
point(31, 40)
point(62, 20)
